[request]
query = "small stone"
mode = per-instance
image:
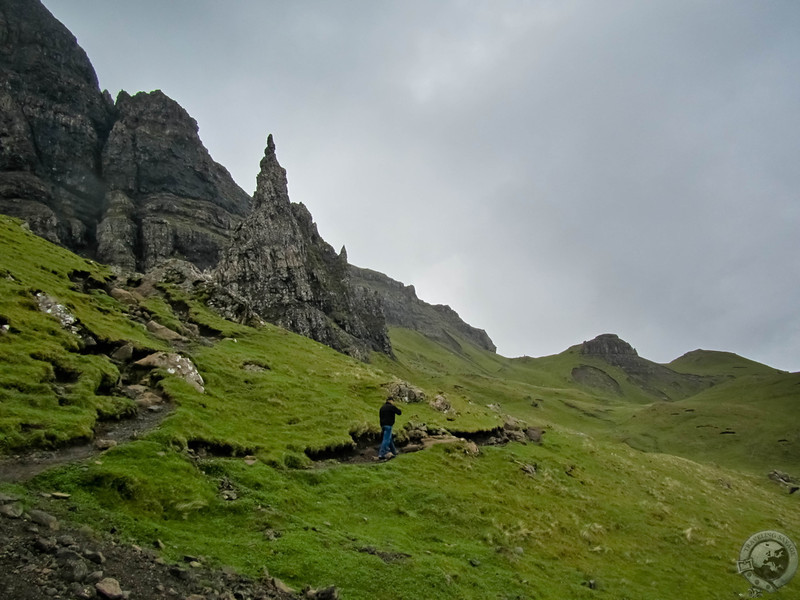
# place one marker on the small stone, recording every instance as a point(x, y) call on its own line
point(66, 540)
point(44, 519)
point(123, 353)
point(123, 296)
point(43, 544)
point(281, 587)
point(65, 555)
point(12, 511)
point(76, 571)
point(328, 593)
point(60, 496)
point(109, 588)
point(179, 573)
point(95, 557)
point(5, 499)
point(196, 597)
point(94, 576)
point(82, 592)
point(474, 562)
point(104, 444)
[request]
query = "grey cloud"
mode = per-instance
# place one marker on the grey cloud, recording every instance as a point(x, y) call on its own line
point(552, 170)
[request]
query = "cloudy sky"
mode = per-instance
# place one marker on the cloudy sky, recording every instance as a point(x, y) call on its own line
point(551, 169)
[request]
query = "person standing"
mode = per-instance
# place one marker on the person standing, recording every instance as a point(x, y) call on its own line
point(387, 415)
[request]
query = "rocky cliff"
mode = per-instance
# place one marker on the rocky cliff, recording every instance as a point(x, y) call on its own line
point(402, 308)
point(129, 182)
point(53, 124)
point(166, 196)
point(278, 262)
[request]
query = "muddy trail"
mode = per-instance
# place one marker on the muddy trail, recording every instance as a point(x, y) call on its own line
point(364, 449)
point(26, 465)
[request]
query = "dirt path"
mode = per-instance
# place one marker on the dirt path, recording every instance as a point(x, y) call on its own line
point(367, 452)
point(26, 465)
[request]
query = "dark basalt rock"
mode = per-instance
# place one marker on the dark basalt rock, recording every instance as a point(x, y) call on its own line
point(402, 308)
point(291, 277)
point(53, 123)
point(167, 197)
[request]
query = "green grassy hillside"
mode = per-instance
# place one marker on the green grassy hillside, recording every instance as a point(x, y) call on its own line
point(228, 474)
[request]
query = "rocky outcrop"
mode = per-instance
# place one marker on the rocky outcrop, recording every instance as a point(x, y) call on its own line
point(291, 277)
point(611, 348)
point(53, 123)
point(402, 308)
point(654, 379)
point(167, 197)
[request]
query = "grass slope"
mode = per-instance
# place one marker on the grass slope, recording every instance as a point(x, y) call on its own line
point(227, 475)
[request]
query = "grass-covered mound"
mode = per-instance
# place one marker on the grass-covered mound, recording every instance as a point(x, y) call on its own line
point(228, 475)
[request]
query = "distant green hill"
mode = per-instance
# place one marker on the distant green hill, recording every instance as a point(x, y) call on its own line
point(231, 472)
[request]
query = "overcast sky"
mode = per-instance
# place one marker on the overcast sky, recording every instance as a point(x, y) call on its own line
point(552, 170)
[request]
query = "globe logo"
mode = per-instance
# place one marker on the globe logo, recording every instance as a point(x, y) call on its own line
point(768, 560)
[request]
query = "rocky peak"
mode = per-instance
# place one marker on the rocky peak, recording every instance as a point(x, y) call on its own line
point(278, 262)
point(166, 195)
point(608, 344)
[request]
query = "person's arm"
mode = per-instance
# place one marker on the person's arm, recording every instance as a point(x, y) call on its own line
point(397, 410)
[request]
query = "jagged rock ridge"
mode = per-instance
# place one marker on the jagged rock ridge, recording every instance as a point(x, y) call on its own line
point(278, 262)
point(402, 308)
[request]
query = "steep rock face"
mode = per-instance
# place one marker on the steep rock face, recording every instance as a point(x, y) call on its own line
point(292, 277)
point(167, 197)
point(402, 308)
point(53, 122)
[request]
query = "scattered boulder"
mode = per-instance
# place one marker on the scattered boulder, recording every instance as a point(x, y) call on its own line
point(104, 444)
point(441, 403)
point(44, 519)
point(174, 364)
point(534, 434)
point(123, 354)
point(404, 392)
point(123, 296)
point(12, 511)
point(109, 588)
point(164, 333)
point(791, 483)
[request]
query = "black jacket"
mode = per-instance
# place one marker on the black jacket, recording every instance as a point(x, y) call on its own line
point(387, 413)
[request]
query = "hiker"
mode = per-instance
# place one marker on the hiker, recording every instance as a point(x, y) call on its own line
point(387, 414)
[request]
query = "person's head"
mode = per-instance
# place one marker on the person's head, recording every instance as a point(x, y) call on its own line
point(390, 400)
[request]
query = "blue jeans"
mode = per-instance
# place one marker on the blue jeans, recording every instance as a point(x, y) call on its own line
point(388, 443)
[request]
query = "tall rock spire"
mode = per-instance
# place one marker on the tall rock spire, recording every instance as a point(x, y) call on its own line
point(291, 277)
